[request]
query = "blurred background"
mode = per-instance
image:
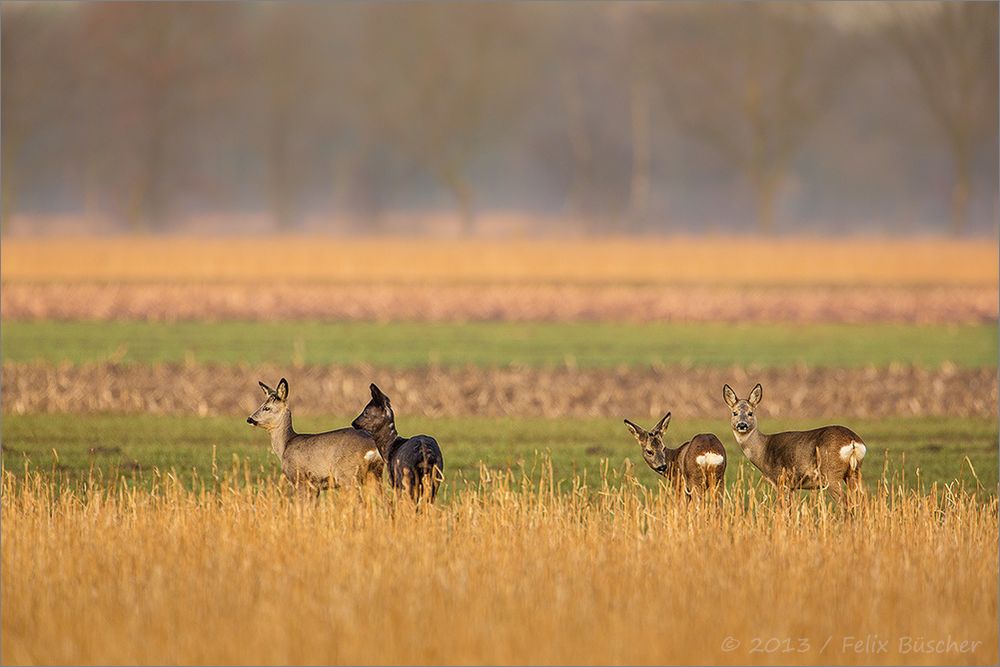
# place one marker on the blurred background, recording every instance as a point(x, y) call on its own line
point(524, 221)
point(511, 119)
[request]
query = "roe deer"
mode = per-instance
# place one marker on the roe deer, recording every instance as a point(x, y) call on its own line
point(345, 457)
point(700, 463)
point(822, 457)
point(415, 464)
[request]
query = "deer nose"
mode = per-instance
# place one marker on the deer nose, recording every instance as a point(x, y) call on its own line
point(250, 420)
point(742, 426)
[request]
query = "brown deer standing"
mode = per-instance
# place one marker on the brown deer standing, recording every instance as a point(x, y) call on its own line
point(345, 457)
point(825, 457)
point(699, 464)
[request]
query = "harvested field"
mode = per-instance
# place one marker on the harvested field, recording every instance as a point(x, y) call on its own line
point(168, 302)
point(729, 261)
point(508, 570)
point(210, 389)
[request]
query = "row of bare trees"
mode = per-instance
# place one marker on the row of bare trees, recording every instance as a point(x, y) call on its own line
point(625, 114)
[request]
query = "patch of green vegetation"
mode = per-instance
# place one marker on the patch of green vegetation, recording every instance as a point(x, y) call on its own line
point(590, 344)
point(136, 445)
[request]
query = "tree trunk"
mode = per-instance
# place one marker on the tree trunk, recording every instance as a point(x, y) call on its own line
point(961, 191)
point(641, 155)
point(765, 197)
point(580, 149)
point(147, 208)
point(463, 200)
point(281, 181)
point(8, 187)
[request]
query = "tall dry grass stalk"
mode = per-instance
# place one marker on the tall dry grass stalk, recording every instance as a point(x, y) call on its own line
point(748, 261)
point(506, 570)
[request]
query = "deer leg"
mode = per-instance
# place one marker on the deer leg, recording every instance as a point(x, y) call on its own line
point(693, 493)
point(407, 483)
point(836, 490)
point(302, 488)
point(855, 488)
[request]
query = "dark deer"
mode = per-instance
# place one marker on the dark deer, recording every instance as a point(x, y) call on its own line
point(825, 457)
point(700, 463)
point(415, 464)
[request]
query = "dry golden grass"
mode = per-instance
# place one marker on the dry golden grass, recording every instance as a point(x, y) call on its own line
point(731, 261)
point(504, 571)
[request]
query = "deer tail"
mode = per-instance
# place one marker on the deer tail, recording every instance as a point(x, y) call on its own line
point(853, 454)
point(709, 460)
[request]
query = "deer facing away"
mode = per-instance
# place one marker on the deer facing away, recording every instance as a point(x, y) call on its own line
point(415, 464)
point(824, 457)
point(342, 458)
point(699, 463)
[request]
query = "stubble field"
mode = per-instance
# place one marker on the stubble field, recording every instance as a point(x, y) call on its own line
point(129, 367)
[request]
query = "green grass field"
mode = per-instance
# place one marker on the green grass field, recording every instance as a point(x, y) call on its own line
point(501, 344)
point(137, 444)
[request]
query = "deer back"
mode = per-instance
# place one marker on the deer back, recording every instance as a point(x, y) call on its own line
point(808, 456)
point(339, 458)
point(703, 460)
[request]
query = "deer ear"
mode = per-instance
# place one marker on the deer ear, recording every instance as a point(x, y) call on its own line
point(756, 395)
point(662, 425)
point(282, 391)
point(378, 395)
point(730, 396)
point(267, 390)
point(636, 430)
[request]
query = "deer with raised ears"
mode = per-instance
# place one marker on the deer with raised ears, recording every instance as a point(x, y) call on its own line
point(342, 458)
point(415, 464)
point(825, 457)
point(700, 463)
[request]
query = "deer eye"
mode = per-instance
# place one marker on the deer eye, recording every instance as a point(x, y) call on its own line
point(750, 414)
point(734, 414)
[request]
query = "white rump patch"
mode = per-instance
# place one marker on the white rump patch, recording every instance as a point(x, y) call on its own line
point(709, 459)
point(853, 453)
point(371, 455)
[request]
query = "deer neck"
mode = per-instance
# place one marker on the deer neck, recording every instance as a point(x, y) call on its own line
point(384, 437)
point(753, 444)
point(281, 434)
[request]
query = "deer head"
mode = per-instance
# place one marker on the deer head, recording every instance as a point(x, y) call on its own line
point(743, 420)
point(651, 442)
point(273, 410)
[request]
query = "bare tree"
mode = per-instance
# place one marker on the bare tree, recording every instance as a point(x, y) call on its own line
point(284, 60)
point(752, 81)
point(156, 67)
point(439, 82)
point(35, 62)
point(640, 59)
point(951, 48)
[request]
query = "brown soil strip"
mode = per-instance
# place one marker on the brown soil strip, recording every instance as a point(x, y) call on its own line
point(693, 392)
point(214, 302)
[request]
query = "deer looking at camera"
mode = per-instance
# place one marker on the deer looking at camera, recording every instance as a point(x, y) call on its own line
point(825, 457)
point(700, 463)
point(342, 458)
